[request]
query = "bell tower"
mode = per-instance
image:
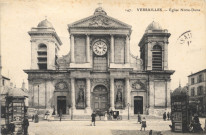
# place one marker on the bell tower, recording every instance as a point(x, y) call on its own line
point(154, 48)
point(45, 45)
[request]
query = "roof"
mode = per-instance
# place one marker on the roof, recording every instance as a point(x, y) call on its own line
point(204, 70)
point(99, 19)
point(154, 26)
point(180, 90)
point(17, 92)
point(45, 24)
point(5, 77)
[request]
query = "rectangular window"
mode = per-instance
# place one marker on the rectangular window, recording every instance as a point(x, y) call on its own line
point(199, 90)
point(119, 50)
point(200, 78)
point(193, 92)
point(192, 80)
point(80, 49)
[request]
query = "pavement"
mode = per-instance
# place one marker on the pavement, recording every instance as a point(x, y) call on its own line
point(115, 127)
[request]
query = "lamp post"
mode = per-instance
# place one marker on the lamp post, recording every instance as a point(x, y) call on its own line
point(38, 98)
point(128, 109)
point(72, 113)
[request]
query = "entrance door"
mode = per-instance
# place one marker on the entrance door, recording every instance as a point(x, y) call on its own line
point(100, 98)
point(61, 104)
point(138, 104)
point(100, 102)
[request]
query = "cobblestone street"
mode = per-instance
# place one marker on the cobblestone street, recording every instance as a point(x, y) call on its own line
point(102, 128)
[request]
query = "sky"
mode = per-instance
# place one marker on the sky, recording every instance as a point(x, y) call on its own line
point(17, 18)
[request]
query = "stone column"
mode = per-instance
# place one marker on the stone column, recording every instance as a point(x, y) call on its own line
point(34, 60)
point(165, 56)
point(88, 49)
point(151, 97)
point(73, 93)
point(72, 48)
point(112, 50)
point(149, 56)
point(88, 91)
point(127, 50)
point(127, 95)
point(112, 93)
point(168, 94)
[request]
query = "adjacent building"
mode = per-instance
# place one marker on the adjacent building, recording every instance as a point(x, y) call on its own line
point(197, 91)
point(99, 73)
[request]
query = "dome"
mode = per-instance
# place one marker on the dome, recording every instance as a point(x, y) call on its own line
point(99, 10)
point(154, 26)
point(45, 24)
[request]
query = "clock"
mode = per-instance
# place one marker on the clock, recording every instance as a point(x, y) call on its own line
point(100, 48)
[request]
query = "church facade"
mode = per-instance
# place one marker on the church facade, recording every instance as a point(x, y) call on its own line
point(99, 73)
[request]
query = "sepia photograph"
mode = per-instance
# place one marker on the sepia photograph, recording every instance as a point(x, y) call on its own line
point(103, 67)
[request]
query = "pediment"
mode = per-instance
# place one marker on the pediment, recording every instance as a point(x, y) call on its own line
point(99, 21)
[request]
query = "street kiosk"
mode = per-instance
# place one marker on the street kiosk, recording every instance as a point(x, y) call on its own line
point(15, 113)
point(179, 111)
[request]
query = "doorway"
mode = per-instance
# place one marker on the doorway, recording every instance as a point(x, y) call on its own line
point(138, 104)
point(100, 98)
point(61, 104)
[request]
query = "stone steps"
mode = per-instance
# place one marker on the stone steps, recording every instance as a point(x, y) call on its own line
point(88, 117)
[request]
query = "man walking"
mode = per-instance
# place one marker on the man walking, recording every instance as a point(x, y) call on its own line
point(26, 125)
point(60, 114)
point(164, 116)
point(93, 118)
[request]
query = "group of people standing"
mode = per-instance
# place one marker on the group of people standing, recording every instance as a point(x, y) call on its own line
point(166, 116)
point(93, 116)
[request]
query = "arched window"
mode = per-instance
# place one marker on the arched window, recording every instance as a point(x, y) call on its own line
point(42, 56)
point(157, 58)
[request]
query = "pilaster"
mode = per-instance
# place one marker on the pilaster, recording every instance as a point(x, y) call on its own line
point(112, 50)
point(88, 49)
point(112, 93)
point(72, 48)
point(88, 91)
point(73, 93)
point(127, 50)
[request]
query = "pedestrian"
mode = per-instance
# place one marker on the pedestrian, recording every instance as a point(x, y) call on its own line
point(139, 118)
point(36, 118)
point(26, 125)
point(144, 125)
point(164, 116)
point(105, 116)
point(111, 114)
point(93, 118)
point(32, 117)
point(60, 114)
point(53, 113)
point(11, 128)
point(168, 115)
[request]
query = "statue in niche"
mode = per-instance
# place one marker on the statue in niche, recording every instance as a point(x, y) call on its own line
point(119, 102)
point(119, 96)
point(80, 103)
point(81, 95)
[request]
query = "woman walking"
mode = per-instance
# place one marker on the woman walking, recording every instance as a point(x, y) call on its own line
point(144, 125)
point(139, 118)
point(93, 118)
point(105, 116)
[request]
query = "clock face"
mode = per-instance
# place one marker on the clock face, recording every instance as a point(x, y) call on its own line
point(100, 48)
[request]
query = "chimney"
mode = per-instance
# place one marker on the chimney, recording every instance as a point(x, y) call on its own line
point(23, 85)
